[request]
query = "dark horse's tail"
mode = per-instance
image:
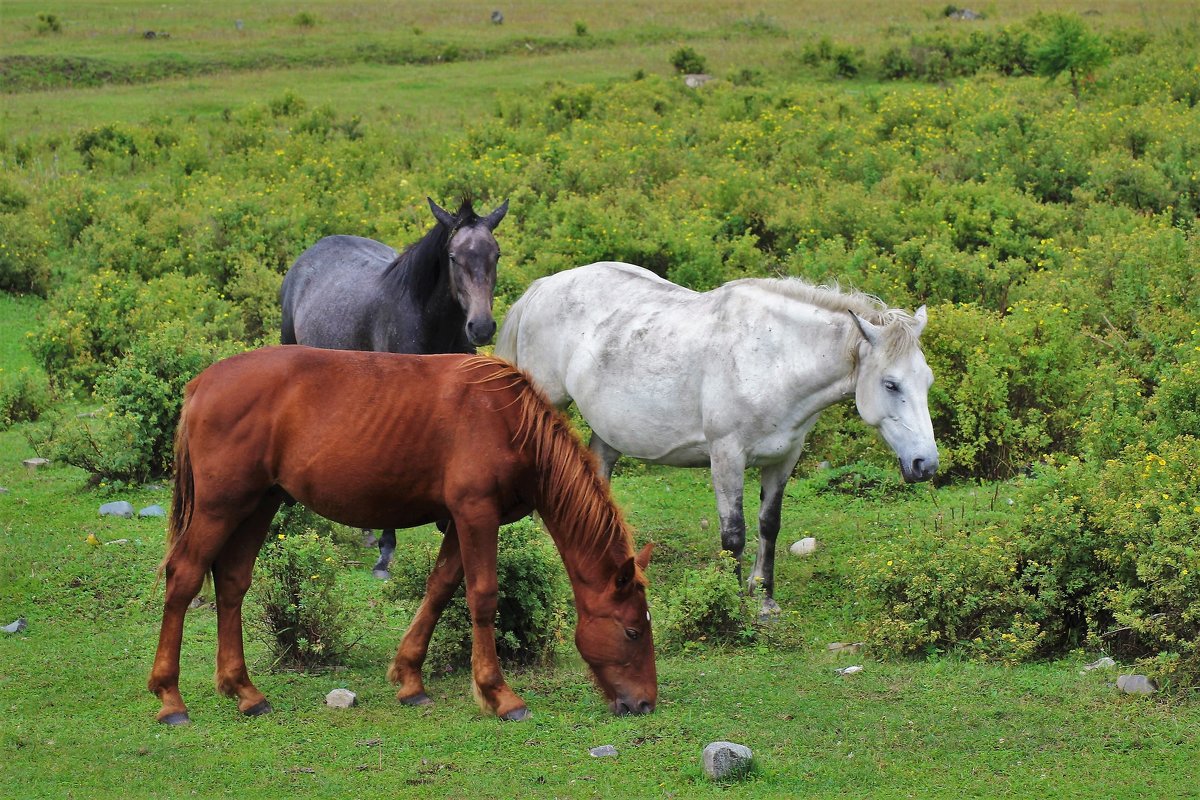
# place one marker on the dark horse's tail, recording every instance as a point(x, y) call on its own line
point(184, 497)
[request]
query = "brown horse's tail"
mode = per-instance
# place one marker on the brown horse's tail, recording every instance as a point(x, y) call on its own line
point(184, 497)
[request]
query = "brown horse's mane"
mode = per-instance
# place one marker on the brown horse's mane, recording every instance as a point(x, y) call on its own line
point(569, 478)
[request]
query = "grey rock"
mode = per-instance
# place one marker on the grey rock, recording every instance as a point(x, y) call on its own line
point(116, 541)
point(120, 508)
point(805, 547)
point(341, 698)
point(1100, 663)
point(966, 14)
point(3, 490)
point(726, 760)
point(15, 627)
point(849, 648)
point(152, 511)
point(1136, 684)
point(603, 751)
point(696, 80)
point(497, 18)
point(32, 464)
point(854, 670)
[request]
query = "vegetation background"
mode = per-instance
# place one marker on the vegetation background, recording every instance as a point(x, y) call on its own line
point(1033, 176)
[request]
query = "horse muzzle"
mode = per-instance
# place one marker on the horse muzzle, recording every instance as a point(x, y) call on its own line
point(480, 331)
point(919, 469)
point(624, 706)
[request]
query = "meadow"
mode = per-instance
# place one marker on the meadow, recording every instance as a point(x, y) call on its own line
point(153, 190)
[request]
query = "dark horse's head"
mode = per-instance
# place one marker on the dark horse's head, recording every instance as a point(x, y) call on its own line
point(472, 253)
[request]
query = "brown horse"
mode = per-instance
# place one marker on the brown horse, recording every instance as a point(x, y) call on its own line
point(378, 440)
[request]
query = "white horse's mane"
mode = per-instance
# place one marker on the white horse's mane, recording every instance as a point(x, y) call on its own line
point(900, 325)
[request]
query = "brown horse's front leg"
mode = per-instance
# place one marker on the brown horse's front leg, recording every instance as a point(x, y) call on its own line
point(443, 580)
point(479, 562)
point(184, 578)
point(232, 571)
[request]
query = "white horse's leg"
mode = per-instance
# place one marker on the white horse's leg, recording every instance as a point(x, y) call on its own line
point(606, 454)
point(774, 479)
point(728, 477)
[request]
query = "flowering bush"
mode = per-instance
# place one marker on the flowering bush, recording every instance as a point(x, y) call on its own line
point(295, 584)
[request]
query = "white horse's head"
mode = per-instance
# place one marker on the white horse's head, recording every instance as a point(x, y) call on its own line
point(892, 391)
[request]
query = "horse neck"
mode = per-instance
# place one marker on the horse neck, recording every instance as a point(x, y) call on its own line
point(421, 273)
point(827, 366)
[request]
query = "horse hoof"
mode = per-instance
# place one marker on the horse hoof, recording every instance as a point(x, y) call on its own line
point(382, 574)
point(421, 699)
point(258, 709)
point(176, 718)
point(517, 715)
point(769, 610)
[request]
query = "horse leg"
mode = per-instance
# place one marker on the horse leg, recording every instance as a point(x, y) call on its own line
point(606, 454)
point(774, 479)
point(185, 568)
point(443, 580)
point(478, 529)
point(728, 476)
point(387, 546)
point(232, 571)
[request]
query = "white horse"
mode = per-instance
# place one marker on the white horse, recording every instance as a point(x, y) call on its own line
point(732, 378)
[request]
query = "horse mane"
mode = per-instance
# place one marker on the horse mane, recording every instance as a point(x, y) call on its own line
point(569, 478)
point(899, 326)
point(415, 272)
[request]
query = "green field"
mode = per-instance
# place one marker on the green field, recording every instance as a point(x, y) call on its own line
point(154, 189)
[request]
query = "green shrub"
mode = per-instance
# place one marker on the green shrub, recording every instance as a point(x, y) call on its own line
point(305, 19)
point(295, 584)
point(48, 23)
point(24, 395)
point(687, 61)
point(1068, 47)
point(133, 439)
point(24, 264)
point(707, 606)
point(533, 600)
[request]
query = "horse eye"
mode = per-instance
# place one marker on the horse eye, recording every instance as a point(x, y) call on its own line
point(452, 258)
point(891, 386)
point(632, 633)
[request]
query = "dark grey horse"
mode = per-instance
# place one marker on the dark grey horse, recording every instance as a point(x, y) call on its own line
point(351, 293)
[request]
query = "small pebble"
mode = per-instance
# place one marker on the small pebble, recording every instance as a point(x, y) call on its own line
point(341, 698)
point(726, 760)
point(15, 627)
point(854, 670)
point(1102, 663)
point(603, 751)
point(152, 511)
point(120, 508)
point(1136, 684)
point(805, 547)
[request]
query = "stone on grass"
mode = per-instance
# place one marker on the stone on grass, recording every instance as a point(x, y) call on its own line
point(603, 751)
point(1100, 663)
point(854, 670)
point(849, 648)
point(152, 511)
point(120, 508)
point(696, 79)
point(341, 698)
point(724, 760)
point(1136, 684)
point(805, 547)
point(15, 627)
point(32, 464)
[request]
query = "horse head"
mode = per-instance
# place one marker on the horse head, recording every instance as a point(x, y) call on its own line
point(613, 636)
point(892, 391)
point(472, 252)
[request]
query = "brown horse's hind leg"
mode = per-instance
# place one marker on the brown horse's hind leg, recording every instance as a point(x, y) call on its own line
point(185, 570)
point(232, 570)
point(443, 580)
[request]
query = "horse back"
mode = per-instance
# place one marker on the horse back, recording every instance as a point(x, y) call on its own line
point(367, 439)
point(333, 296)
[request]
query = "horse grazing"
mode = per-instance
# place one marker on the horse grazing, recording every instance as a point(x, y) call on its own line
point(382, 440)
point(351, 293)
point(732, 378)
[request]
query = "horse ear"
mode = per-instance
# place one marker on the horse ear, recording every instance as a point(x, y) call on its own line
point(443, 216)
point(626, 573)
point(922, 317)
point(493, 219)
point(643, 558)
point(870, 331)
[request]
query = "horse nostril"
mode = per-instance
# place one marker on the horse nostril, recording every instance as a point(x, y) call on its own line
point(481, 332)
point(645, 707)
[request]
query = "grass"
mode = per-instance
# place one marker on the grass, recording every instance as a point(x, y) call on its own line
point(76, 720)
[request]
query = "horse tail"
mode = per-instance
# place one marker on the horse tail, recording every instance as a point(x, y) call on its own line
point(183, 499)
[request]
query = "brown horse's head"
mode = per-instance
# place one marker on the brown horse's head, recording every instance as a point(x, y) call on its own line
point(613, 636)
